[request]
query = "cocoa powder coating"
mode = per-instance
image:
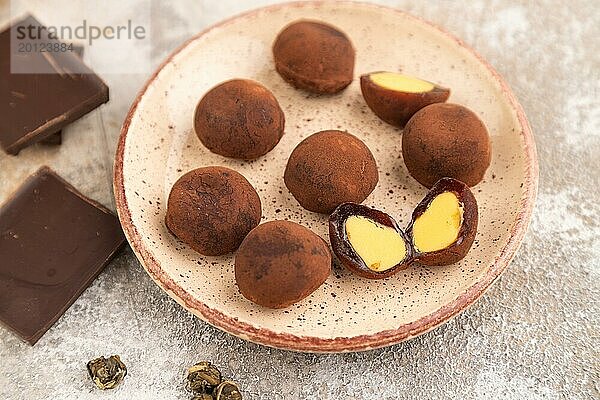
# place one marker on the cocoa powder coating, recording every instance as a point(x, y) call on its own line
point(280, 263)
point(239, 119)
point(314, 56)
point(329, 168)
point(212, 209)
point(446, 140)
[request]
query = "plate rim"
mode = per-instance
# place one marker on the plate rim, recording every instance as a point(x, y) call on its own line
point(338, 344)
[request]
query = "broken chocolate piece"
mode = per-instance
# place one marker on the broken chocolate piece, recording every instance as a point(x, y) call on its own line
point(34, 106)
point(53, 243)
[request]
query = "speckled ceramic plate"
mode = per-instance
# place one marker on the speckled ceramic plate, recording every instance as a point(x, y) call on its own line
point(347, 313)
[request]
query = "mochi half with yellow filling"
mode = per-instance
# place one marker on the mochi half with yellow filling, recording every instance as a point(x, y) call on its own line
point(444, 223)
point(367, 241)
point(395, 97)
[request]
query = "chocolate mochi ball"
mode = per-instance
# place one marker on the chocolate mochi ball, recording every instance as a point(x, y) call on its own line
point(239, 119)
point(281, 262)
point(329, 168)
point(314, 56)
point(446, 140)
point(212, 209)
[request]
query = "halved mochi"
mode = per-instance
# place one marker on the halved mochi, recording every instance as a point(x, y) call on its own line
point(395, 98)
point(444, 223)
point(367, 241)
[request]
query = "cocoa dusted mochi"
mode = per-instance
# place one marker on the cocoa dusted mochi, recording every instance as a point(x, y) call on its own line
point(280, 263)
point(329, 168)
point(446, 140)
point(239, 119)
point(314, 56)
point(212, 209)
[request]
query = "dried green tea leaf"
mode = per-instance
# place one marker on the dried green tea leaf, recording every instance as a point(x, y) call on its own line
point(107, 372)
point(227, 390)
point(203, 377)
point(203, 396)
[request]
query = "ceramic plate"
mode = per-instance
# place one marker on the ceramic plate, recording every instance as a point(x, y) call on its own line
point(347, 313)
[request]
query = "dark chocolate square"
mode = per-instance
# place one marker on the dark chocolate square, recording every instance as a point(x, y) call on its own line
point(34, 106)
point(53, 243)
point(56, 138)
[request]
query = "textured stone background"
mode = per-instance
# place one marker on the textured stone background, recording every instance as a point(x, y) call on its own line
point(534, 335)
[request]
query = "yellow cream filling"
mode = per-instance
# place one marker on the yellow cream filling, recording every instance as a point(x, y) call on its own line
point(438, 227)
point(401, 83)
point(379, 246)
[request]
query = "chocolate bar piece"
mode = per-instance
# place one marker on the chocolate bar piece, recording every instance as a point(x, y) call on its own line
point(53, 243)
point(56, 138)
point(34, 106)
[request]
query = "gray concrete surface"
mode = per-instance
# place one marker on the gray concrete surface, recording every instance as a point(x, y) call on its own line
point(534, 335)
